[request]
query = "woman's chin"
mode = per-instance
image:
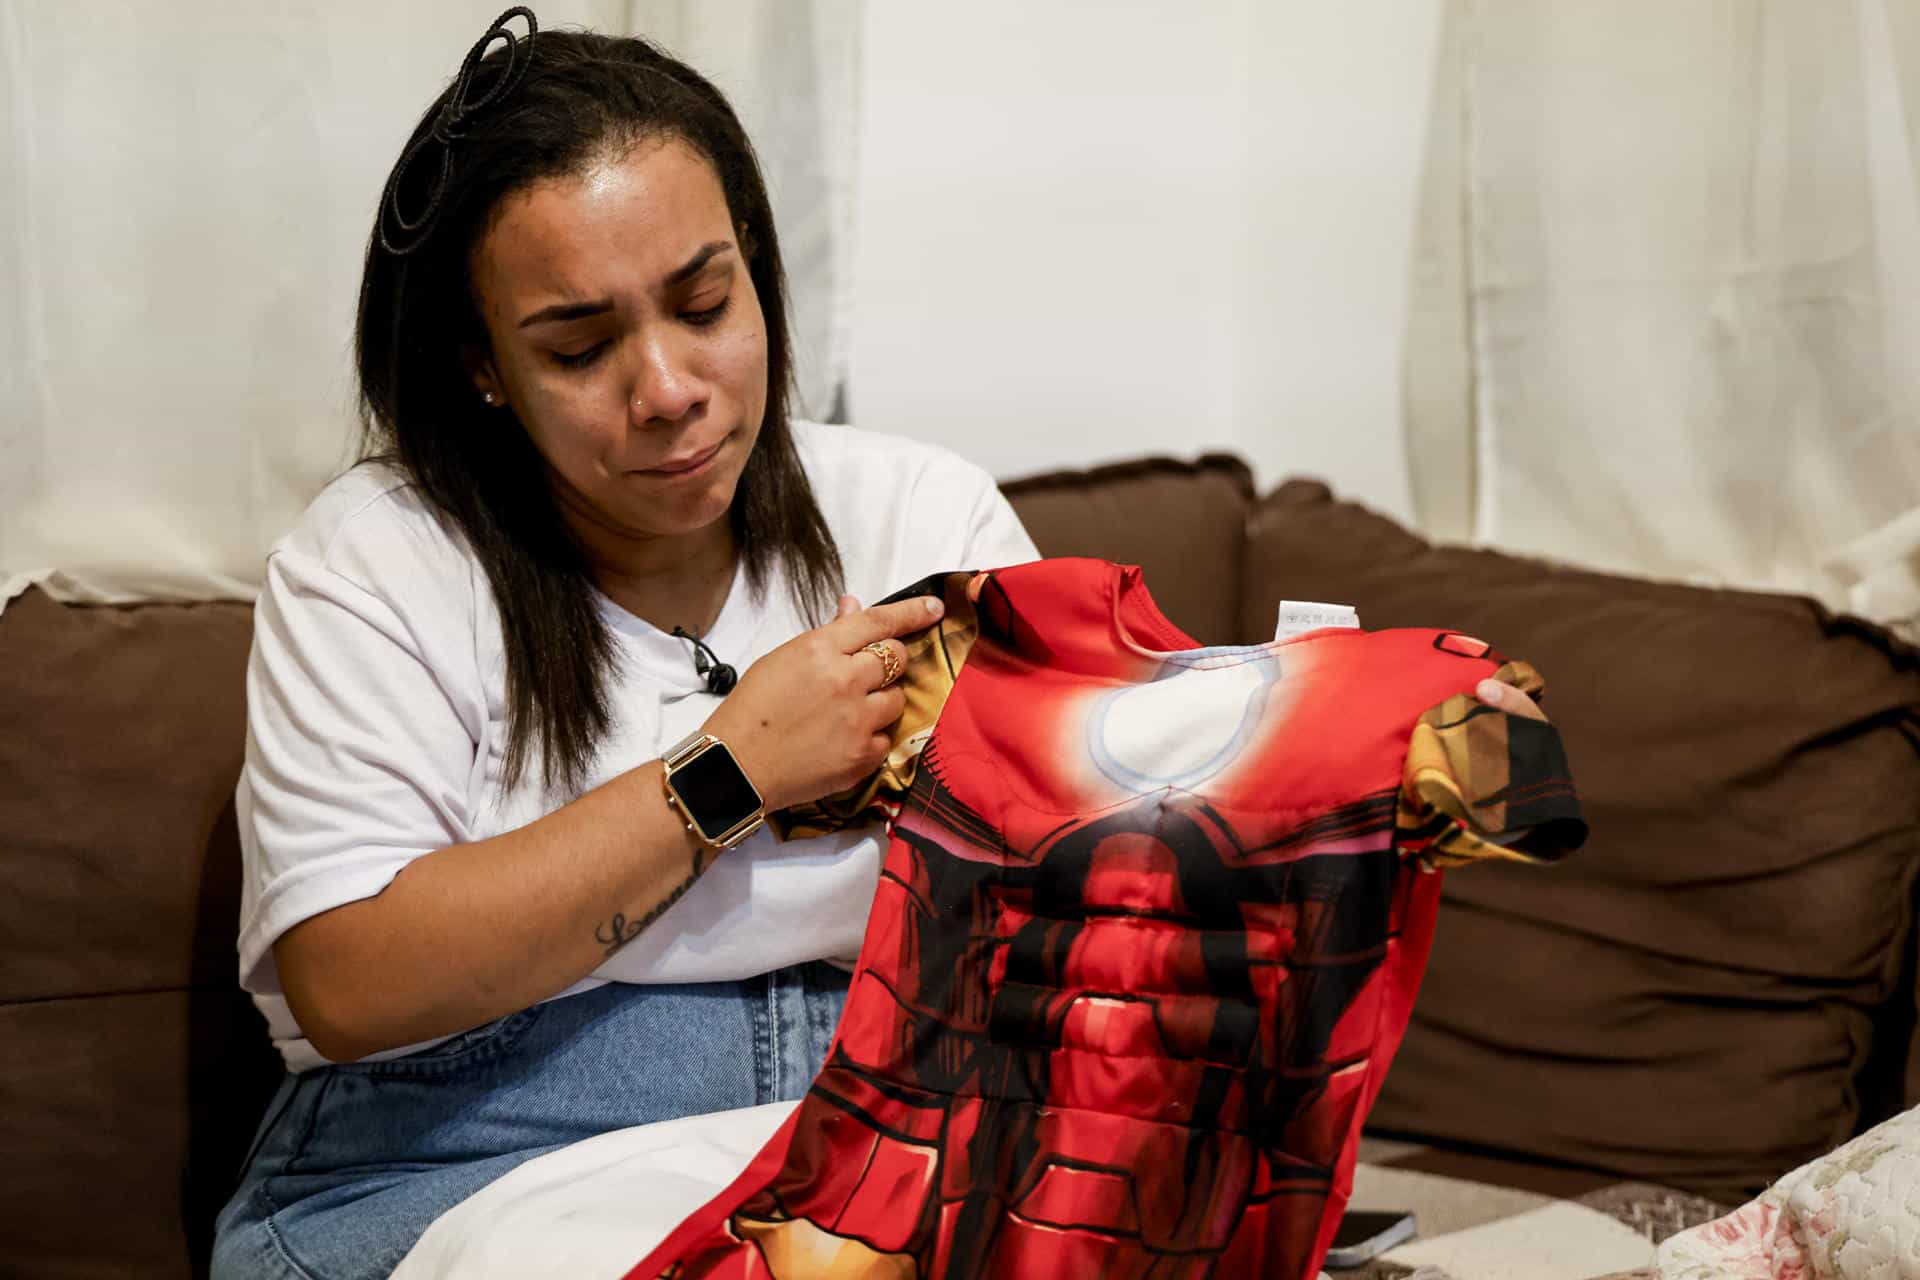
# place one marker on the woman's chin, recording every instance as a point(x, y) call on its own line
point(673, 510)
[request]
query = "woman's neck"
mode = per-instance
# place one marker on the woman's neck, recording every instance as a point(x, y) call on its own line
point(668, 580)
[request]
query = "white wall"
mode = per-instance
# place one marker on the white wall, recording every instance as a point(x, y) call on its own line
point(1335, 134)
point(1094, 230)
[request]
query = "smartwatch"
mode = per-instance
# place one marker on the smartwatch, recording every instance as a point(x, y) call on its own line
point(707, 787)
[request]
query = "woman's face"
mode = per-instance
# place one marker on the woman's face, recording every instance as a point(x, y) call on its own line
point(627, 336)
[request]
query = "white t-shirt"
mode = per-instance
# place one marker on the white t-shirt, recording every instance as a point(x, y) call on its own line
point(376, 713)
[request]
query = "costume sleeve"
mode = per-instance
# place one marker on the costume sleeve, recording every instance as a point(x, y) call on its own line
point(934, 659)
point(1481, 783)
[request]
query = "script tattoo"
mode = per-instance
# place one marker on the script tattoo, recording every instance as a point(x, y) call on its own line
point(619, 931)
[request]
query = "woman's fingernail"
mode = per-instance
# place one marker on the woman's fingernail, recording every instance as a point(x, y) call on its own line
point(934, 604)
point(1491, 692)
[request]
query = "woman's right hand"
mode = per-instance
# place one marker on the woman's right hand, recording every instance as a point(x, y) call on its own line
point(810, 718)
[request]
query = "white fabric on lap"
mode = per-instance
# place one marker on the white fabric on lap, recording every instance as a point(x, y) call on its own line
point(595, 1208)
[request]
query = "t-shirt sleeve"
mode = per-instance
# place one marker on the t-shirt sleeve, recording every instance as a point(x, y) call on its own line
point(995, 537)
point(363, 716)
point(1480, 783)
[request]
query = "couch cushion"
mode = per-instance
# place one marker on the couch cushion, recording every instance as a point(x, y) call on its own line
point(123, 1120)
point(1691, 999)
point(1184, 523)
point(134, 1069)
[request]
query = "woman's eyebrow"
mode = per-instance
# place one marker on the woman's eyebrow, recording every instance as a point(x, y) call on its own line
point(581, 310)
point(691, 268)
point(567, 311)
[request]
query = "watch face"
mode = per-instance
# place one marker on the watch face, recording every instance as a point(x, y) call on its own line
point(715, 793)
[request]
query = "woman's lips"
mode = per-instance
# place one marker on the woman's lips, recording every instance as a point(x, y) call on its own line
point(691, 464)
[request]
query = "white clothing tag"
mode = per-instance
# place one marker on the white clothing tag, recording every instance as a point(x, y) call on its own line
point(1300, 616)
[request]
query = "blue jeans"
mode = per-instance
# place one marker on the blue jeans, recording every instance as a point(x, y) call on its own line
point(353, 1162)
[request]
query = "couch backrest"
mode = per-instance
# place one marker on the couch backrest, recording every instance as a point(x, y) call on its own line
point(134, 1069)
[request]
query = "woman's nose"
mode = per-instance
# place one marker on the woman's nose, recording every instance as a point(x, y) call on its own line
point(665, 385)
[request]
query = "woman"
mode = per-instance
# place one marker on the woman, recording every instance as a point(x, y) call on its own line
point(574, 360)
point(476, 921)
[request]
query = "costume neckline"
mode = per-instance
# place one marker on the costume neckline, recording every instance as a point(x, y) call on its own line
point(1140, 626)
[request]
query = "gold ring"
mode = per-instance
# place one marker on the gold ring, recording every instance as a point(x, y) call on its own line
point(891, 664)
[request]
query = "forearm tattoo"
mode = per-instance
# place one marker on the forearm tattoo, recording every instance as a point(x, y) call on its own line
point(619, 931)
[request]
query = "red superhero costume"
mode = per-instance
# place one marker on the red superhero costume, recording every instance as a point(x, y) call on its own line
point(1147, 936)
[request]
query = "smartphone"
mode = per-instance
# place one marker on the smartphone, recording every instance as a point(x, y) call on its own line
point(1364, 1236)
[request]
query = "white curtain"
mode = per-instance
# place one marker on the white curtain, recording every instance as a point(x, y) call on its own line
point(1666, 313)
point(185, 195)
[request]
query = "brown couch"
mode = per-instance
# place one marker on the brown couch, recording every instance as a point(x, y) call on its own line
point(1720, 986)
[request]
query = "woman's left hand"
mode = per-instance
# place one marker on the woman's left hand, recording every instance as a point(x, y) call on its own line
point(1504, 697)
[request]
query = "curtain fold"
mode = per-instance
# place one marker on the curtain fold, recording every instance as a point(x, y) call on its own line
point(1438, 360)
point(1685, 263)
point(1880, 570)
point(185, 195)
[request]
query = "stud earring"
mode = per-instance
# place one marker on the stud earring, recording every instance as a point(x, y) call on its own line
point(489, 397)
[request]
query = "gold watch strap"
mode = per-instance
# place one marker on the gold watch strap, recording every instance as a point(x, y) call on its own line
point(685, 749)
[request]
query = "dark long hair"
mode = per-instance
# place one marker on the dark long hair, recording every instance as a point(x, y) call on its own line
point(567, 99)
